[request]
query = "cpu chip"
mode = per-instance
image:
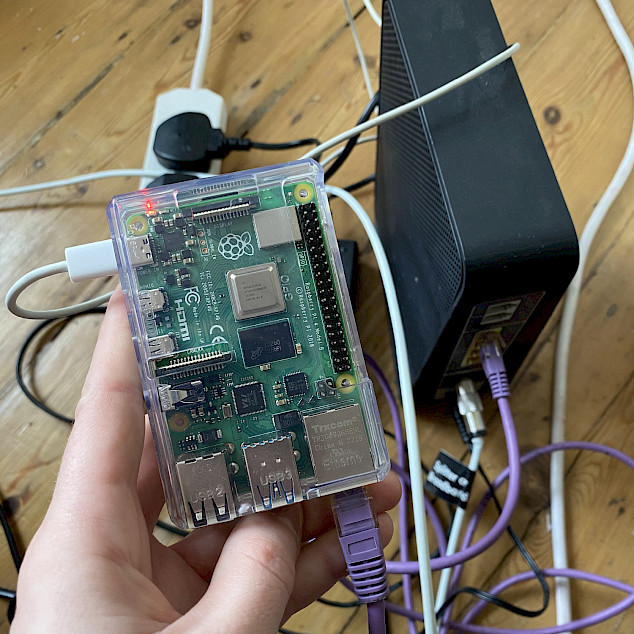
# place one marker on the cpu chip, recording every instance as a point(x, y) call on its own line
point(255, 291)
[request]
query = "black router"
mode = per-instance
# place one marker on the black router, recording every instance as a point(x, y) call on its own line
point(474, 224)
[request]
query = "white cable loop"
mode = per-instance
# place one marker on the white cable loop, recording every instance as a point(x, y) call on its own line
point(331, 157)
point(416, 103)
point(361, 55)
point(477, 445)
point(204, 40)
point(562, 353)
point(409, 409)
point(373, 12)
point(39, 274)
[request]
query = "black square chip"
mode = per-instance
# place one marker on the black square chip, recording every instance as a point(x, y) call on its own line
point(208, 436)
point(296, 384)
point(267, 343)
point(285, 420)
point(174, 240)
point(249, 398)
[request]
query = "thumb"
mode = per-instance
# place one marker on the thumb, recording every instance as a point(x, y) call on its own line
point(254, 577)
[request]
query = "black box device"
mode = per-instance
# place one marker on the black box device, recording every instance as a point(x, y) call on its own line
point(477, 232)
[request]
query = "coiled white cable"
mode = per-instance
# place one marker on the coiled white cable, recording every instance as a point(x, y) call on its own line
point(562, 353)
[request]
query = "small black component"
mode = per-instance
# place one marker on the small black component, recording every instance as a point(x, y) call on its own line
point(184, 272)
point(187, 253)
point(174, 240)
point(164, 256)
point(210, 210)
point(325, 388)
point(213, 378)
point(249, 398)
point(208, 436)
point(313, 241)
point(170, 279)
point(216, 391)
point(187, 445)
point(286, 420)
point(179, 222)
point(349, 252)
point(186, 283)
point(159, 228)
point(267, 343)
point(191, 230)
point(296, 384)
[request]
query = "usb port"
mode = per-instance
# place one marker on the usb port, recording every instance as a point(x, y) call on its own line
point(502, 311)
point(206, 490)
point(139, 251)
point(272, 473)
point(161, 345)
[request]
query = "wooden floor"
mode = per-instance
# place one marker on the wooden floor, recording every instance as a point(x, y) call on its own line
point(77, 89)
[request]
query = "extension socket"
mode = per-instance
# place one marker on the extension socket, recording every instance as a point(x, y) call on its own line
point(169, 104)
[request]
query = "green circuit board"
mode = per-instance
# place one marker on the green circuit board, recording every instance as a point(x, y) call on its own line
point(246, 343)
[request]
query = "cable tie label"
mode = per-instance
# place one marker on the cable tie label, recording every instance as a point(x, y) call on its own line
point(450, 480)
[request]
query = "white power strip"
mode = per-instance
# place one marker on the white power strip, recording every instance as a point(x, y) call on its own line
point(169, 104)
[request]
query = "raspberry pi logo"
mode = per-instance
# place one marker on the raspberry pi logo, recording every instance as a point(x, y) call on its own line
point(233, 246)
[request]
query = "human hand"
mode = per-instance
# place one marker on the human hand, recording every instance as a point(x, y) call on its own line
point(94, 564)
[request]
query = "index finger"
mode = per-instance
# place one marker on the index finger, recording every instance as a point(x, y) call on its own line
point(106, 442)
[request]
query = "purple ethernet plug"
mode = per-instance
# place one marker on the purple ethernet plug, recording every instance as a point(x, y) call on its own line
point(495, 370)
point(359, 538)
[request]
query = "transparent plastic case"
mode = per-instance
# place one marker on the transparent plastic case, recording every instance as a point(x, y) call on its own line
point(251, 364)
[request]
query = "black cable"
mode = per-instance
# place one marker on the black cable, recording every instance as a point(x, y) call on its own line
point(11, 539)
point(7, 594)
point(354, 604)
point(171, 528)
point(19, 369)
point(361, 183)
point(352, 141)
point(284, 146)
point(12, 542)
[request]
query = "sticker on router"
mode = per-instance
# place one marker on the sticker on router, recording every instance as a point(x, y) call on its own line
point(450, 480)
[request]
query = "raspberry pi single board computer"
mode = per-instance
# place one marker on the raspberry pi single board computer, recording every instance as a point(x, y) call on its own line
point(251, 365)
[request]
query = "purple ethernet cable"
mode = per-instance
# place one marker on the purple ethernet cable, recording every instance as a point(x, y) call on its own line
point(577, 624)
point(494, 366)
point(582, 445)
point(358, 532)
point(587, 621)
point(401, 460)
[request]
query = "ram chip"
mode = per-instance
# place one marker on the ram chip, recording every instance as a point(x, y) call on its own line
point(267, 343)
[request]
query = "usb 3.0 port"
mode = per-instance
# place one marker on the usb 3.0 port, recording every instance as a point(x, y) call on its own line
point(272, 473)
